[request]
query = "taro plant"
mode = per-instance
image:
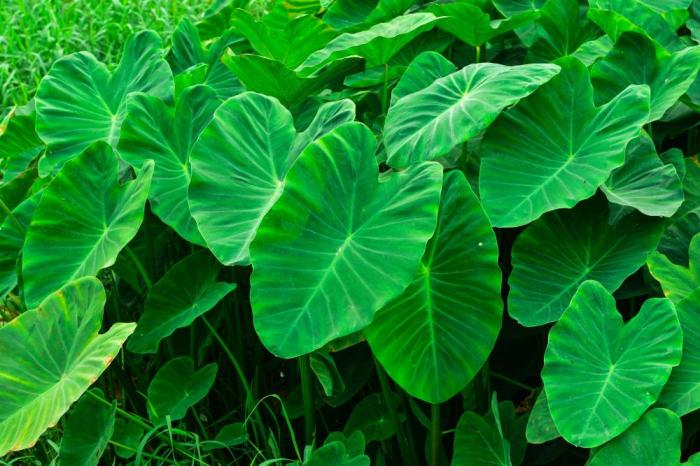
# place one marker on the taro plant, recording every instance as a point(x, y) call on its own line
point(339, 233)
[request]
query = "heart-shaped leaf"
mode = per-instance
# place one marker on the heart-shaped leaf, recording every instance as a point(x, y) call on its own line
point(635, 60)
point(88, 430)
point(682, 391)
point(561, 250)
point(154, 131)
point(601, 374)
point(81, 102)
point(322, 255)
point(177, 387)
point(376, 45)
point(566, 147)
point(644, 183)
point(434, 350)
point(654, 439)
point(185, 292)
point(73, 235)
point(239, 165)
point(427, 123)
point(52, 354)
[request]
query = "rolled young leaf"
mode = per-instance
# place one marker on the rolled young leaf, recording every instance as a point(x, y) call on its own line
point(52, 355)
point(434, 337)
point(601, 374)
point(339, 243)
point(84, 218)
point(564, 145)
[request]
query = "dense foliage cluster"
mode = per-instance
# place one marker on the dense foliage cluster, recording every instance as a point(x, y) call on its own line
point(353, 232)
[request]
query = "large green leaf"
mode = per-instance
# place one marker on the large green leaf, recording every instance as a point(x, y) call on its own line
point(354, 14)
point(471, 25)
point(270, 77)
point(635, 60)
point(322, 254)
point(682, 391)
point(154, 131)
point(189, 55)
point(434, 337)
point(291, 45)
point(563, 28)
point(564, 146)
point(427, 123)
point(654, 439)
point(83, 220)
point(677, 281)
point(644, 182)
point(239, 165)
point(87, 431)
point(601, 374)
point(51, 355)
point(177, 387)
point(616, 17)
point(185, 292)
point(553, 256)
point(81, 102)
point(420, 73)
point(377, 44)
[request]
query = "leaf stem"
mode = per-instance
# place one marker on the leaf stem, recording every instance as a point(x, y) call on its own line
point(11, 216)
point(407, 456)
point(435, 434)
point(139, 266)
point(385, 89)
point(126, 415)
point(511, 381)
point(232, 358)
point(308, 396)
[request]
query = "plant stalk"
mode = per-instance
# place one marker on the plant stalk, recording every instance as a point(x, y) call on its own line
point(308, 397)
point(408, 456)
point(435, 434)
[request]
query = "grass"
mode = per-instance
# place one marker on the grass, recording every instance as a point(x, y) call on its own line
point(34, 33)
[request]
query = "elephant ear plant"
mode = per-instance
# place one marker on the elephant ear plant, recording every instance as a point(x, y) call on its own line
point(340, 233)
